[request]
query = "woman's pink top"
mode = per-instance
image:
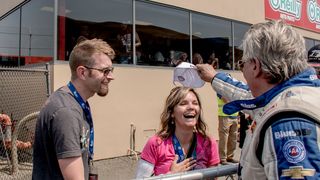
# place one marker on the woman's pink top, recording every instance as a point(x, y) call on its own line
point(161, 153)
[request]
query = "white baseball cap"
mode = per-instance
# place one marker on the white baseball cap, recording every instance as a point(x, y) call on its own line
point(187, 75)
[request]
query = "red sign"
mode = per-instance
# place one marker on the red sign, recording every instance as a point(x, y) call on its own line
point(300, 13)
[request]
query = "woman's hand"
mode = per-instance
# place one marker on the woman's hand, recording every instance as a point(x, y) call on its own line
point(183, 166)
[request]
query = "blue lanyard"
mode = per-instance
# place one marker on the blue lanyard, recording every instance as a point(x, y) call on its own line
point(86, 109)
point(178, 149)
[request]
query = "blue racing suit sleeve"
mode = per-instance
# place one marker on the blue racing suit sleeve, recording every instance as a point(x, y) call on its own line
point(296, 147)
point(230, 88)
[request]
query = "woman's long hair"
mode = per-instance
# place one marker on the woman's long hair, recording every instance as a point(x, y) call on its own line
point(167, 128)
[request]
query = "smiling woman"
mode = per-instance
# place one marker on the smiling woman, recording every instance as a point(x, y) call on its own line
point(182, 143)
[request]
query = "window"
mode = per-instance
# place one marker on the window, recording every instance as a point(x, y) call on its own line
point(37, 31)
point(9, 40)
point(164, 35)
point(211, 38)
point(309, 43)
point(32, 42)
point(96, 19)
point(239, 31)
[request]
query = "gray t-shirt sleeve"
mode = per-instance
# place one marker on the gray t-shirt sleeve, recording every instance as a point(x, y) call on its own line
point(66, 130)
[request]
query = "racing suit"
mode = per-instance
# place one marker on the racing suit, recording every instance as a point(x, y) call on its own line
point(291, 144)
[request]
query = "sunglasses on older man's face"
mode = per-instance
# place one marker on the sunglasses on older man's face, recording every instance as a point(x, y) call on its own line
point(241, 63)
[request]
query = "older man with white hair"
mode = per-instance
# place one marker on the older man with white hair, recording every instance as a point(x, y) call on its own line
point(282, 95)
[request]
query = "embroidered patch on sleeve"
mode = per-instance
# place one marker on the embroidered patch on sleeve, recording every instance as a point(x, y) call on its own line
point(294, 151)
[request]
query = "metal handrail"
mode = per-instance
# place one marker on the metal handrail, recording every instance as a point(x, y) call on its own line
point(15, 133)
point(212, 172)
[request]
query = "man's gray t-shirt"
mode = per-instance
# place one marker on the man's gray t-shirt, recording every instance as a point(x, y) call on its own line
point(61, 132)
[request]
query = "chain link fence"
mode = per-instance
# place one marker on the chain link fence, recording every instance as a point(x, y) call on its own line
point(23, 91)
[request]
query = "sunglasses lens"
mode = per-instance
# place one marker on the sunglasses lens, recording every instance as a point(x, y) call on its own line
point(240, 63)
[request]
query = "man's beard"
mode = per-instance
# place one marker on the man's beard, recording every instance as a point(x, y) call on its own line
point(103, 93)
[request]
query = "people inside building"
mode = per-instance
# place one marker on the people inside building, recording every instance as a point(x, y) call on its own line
point(158, 57)
point(178, 57)
point(281, 96)
point(182, 143)
point(213, 61)
point(228, 131)
point(197, 59)
point(125, 38)
point(64, 134)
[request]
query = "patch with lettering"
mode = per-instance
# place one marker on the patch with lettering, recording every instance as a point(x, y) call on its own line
point(292, 133)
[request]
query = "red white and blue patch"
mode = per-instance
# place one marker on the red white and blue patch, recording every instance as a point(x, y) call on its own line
point(294, 151)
